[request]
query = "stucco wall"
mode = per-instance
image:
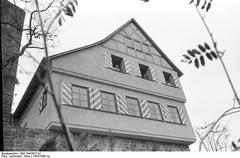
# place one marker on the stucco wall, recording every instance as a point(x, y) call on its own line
point(90, 63)
point(31, 116)
point(23, 139)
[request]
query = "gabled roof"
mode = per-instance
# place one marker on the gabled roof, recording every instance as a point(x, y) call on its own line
point(179, 72)
point(35, 81)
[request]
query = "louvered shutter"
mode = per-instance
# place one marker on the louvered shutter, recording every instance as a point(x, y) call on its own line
point(182, 115)
point(127, 66)
point(108, 60)
point(176, 80)
point(165, 113)
point(136, 69)
point(122, 104)
point(161, 77)
point(144, 108)
point(66, 93)
point(154, 75)
point(95, 99)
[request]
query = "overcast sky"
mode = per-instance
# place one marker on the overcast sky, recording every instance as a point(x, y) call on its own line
point(175, 27)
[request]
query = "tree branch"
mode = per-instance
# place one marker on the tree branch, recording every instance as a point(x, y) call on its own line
point(48, 67)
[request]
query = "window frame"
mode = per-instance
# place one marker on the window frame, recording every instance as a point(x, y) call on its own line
point(177, 114)
point(139, 108)
point(149, 71)
point(88, 96)
point(122, 64)
point(171, 78)
point(160, 111)
point(44, 99)
point(115, 102)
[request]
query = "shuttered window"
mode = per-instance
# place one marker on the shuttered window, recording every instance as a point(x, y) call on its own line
point(155, 111)
point(108, 102)
point(173, 111)
point(80, 96)
point(133, 107)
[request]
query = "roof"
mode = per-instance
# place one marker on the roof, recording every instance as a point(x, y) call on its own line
point(34, 82)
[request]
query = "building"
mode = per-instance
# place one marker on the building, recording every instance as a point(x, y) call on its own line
point(123, 85)
point(12, 19)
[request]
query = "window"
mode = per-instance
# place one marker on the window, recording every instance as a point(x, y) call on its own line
point(145, 72)
point(174, 114)
point(155, 111)
point(44, 99)
point(118, 63)
point(133, 107)
point(80, 96)
point(169, 79)
point(108, 102)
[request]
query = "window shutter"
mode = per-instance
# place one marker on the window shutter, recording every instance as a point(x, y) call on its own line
point(136, 69)
point(108, 60)
point(144, 108)
point(40, 102)
point(176, 80)
point(66, 93)
point(162, 79)
point(154, 75)
point(95, 99)
point(165, 113)
point(122, 104)
point(127, 66)
point(183, 118)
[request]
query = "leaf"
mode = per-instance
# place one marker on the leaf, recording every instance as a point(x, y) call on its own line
point(196, 63)
point(202, 60)
point(201, 48)
point(208, 6)
point(60, 21)
point(207, 46)
point(73, 7)
point(186, 56)
point(204, 5)
point(191, 1)
point(191, 53)
point(76, 2)
point(209, 56)
point(198, 2)
point(195, 51)
point(68, 11)
point(214, 54)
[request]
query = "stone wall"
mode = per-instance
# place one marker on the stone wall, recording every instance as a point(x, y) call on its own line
point(24, 139)
point(12, 19)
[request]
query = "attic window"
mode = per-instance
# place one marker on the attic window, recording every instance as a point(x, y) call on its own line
point(145, 72)
point(169, 79)
point(118, 63)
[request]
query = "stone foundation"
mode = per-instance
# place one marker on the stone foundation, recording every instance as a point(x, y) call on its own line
point(24, 139)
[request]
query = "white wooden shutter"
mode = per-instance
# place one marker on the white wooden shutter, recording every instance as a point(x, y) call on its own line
point(66, 93)
point(128, 67)
point(108, 60)
point(122, 104)
point(154, 75)
point(136, 69)
point(95, 99)
point(144, 108)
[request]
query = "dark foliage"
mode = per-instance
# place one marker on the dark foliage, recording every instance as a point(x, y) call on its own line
point(200, 55)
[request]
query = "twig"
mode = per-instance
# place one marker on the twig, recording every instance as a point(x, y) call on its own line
point(227, 74)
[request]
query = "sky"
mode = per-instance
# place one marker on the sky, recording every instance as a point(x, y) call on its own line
point(175, 27)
